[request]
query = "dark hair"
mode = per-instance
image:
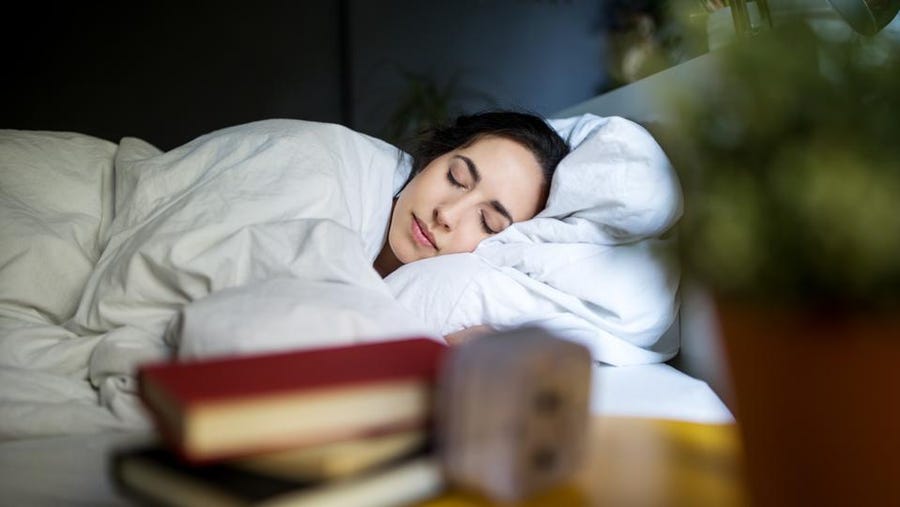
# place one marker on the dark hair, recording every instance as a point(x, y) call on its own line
point(529, 130)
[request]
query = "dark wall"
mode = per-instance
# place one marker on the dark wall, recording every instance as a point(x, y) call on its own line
point(168, 72)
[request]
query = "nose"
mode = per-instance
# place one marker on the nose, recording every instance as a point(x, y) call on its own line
point(447, 214)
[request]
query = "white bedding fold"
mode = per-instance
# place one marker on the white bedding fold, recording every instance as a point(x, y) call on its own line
point(288, 312)
point(36, 403)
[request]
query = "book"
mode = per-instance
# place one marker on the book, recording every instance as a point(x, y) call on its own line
point(154, 475)
point(336, 459)
point(223, 408)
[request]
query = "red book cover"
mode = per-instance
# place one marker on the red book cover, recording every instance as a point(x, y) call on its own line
point(172, 391)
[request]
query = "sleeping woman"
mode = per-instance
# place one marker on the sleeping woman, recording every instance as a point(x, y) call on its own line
point(470, 180)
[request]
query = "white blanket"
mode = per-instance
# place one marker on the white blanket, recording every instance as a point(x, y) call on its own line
point(277, 218)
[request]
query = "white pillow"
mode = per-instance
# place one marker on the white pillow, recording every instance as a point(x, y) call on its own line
point(56, 205)
point(592, 266)
point(615, 187)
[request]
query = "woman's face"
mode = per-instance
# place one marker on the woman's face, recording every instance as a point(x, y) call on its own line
point(464, 196)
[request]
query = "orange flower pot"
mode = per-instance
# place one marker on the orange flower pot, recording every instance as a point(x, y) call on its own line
point(818, 402)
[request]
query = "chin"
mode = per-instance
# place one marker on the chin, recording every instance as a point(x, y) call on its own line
point(405, 259)
point(410, 257)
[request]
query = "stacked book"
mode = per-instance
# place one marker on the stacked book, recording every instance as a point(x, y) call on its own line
point(333, 426)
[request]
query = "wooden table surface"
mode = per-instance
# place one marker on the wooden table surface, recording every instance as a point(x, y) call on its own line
point(637, 462)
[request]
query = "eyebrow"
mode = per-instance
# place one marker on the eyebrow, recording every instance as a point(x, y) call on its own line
point(473, 170)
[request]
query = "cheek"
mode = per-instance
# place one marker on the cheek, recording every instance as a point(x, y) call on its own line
point(403, 206)
point(412, 194)
point(395, 233)
point(467, 238)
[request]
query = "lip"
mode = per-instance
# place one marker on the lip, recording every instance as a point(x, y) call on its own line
point(421, 234)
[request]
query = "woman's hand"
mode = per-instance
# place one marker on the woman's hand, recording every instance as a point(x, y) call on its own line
point(469, 333)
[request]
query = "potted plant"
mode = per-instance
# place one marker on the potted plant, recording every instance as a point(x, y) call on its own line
point(790, 163)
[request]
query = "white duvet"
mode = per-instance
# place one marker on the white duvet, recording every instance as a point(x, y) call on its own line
point(262, 237)
point(279, 220)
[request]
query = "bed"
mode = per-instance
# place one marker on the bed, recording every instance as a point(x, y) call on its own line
point(114, 254)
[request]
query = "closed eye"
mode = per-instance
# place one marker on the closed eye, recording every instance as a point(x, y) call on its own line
point(484, 225)
point(453, 181)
